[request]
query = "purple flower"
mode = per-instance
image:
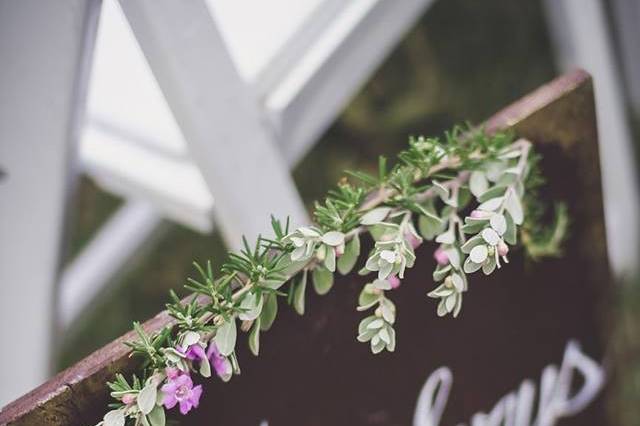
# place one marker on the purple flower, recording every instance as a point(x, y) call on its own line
point(180, 390)
point(172, 372)
point(193, 352)
point(220, 363)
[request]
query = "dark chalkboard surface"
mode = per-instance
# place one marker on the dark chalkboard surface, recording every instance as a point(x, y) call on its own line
point(311, 370)
point(515, 325)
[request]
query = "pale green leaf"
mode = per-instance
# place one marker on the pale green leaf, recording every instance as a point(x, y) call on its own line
point(254, 338)
point(374, 216)
point(514, 207)
point(330, 259)
point(322, 280)
point(114, 418)
point(147, 398)
point(348, 260)
point(478, 183)
point(252, 306)
point(491, 205)
point(156, 417)
point(225, 338)
point(299, 293)
point(333, 238)
point(269, 311)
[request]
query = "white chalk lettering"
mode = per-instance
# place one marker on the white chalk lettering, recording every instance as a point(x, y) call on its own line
point(557, 398)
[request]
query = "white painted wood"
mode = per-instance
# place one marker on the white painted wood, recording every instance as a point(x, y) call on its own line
point(117, 243)
point(218, 115)
point(303, 59)
point(626, 14)
point(44, 50)
point(172, 183)
point(335, 67)
point(582, 39)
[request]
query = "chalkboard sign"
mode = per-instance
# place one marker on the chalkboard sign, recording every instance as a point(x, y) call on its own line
point(527, 347)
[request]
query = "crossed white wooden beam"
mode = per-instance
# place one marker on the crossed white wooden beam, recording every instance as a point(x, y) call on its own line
point(240, 124)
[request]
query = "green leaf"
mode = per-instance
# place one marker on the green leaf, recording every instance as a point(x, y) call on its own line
point(252, 306)
point(429, 226)
point(448, 237)
point(441, 272)
point(322, 280)
point(147, 398)
point(205, 368)
point(190, 338)
point(348, 260)
point(471, 243)
point(478, 183)
point(491, 205)
point(114, 418)
point(254, 338)
point(375, 216)
point(496, 191)
point(333, 238)
point(330, 258)
point(510, 235)
point(364, 323)
point(269, 311)
point(225, 338)
point(367, 298)
point(514, 207)
point(156, 417)
point(299, 293)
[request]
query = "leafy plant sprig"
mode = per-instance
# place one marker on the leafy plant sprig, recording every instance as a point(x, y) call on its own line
point(470, 192)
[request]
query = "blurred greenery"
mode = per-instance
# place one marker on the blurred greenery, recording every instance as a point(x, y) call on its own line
point(464, 60)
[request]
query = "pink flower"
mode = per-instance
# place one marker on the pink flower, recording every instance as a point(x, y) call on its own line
point(477, 214)
point(220, 363)
point(180, 390)
point(172, 372)
point(193, 352)
point(413, 240)
point(128, 398)
point(503, 249)
point(394, 281)
point(441, 257)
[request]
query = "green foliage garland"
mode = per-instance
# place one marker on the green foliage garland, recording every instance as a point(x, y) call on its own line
point(470, 192)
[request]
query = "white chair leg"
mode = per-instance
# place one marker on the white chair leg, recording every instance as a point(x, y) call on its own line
point(227, 135)
point(106, 256)
point(582, 39)
point(627, 15)
point(44, 52)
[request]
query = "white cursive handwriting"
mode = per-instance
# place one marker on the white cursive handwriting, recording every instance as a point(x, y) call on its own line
point(556, 399)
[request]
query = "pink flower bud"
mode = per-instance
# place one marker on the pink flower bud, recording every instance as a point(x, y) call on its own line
point(340, 250)
point(412, 239)
point(441, 257)
point(394, 281)
point(503, 249)
point(477, 214)
point(172, 372)
point(128, 398)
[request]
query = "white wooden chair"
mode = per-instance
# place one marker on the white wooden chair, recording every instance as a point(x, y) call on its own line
point(195, 111)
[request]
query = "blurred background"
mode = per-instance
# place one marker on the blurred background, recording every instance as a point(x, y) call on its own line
point(145, 187)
